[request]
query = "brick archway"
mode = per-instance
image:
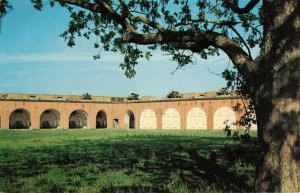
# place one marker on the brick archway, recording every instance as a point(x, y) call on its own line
point(148, 119)
point(171, 119)
point(224, 116)
point(196, 119)
point(101, 120)
point(20, 119)
point(50, 119)
point(78, 119)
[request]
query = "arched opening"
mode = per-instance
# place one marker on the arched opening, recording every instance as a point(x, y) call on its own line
point(148, 119)
point(171, 119)
point(129, 119)
point(223, 117)
point(19, 119)
point(101, 120)
point(196, 119)
point(78, 119)
point(50, 119)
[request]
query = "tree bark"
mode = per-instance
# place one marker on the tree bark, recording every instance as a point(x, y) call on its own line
point(279, 169)
point(276, 92)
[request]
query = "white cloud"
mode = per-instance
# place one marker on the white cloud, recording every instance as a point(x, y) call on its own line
point(109, 60)
point(72, 57)
point(5, 85)
point(45, 57)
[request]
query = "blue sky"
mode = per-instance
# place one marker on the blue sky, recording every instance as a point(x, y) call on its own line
point(34, 59)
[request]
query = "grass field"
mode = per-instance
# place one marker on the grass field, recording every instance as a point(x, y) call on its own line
point(124, 161)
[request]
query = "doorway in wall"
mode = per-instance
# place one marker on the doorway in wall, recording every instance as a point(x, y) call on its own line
point(116, 123)
point(101, 120)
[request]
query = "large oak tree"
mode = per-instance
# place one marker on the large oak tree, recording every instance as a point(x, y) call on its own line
point(185, 28)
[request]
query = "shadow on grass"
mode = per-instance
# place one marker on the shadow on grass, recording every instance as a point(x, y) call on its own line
point(132, 164)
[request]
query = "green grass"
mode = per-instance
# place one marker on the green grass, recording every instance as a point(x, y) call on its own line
point(124, 161)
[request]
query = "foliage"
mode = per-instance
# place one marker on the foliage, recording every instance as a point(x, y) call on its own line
point(222, 91)
point(173, 94)
point(5, 6)
point(124, 161)
point(133, 96)
point(237, 84)
point(86, 96)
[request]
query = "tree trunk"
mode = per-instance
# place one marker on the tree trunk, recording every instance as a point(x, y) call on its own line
point(276, 93)
point(279, 169)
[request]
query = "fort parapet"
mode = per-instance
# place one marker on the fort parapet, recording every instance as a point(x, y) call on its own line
point(51, 97)
point(208, 110)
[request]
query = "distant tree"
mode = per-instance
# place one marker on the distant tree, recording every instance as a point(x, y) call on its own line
point(133, 96)
point(222, 91)
point(86, 96)
point(173, 94)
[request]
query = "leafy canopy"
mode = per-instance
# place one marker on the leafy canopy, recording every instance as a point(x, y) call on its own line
point(173, 94)
point(86, 96)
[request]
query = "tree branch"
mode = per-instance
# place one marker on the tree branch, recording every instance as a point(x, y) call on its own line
point(242, 39)
point(215, 22)
point(103, 8)
point(141, 19)
point(233, 5)
point(196, 41)
point(145, 20)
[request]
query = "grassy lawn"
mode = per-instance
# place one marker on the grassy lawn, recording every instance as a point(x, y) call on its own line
point(124, 161)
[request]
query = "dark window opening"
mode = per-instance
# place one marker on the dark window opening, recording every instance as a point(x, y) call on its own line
point(116, 123)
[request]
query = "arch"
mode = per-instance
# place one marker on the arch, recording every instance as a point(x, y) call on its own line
point(20, 119)
point(129, 120)
point(148, 119)
point(171, 119)
point(50, 119)
point(196, 119)
point(224, 116)
point(101, 120)
point(78, 119)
